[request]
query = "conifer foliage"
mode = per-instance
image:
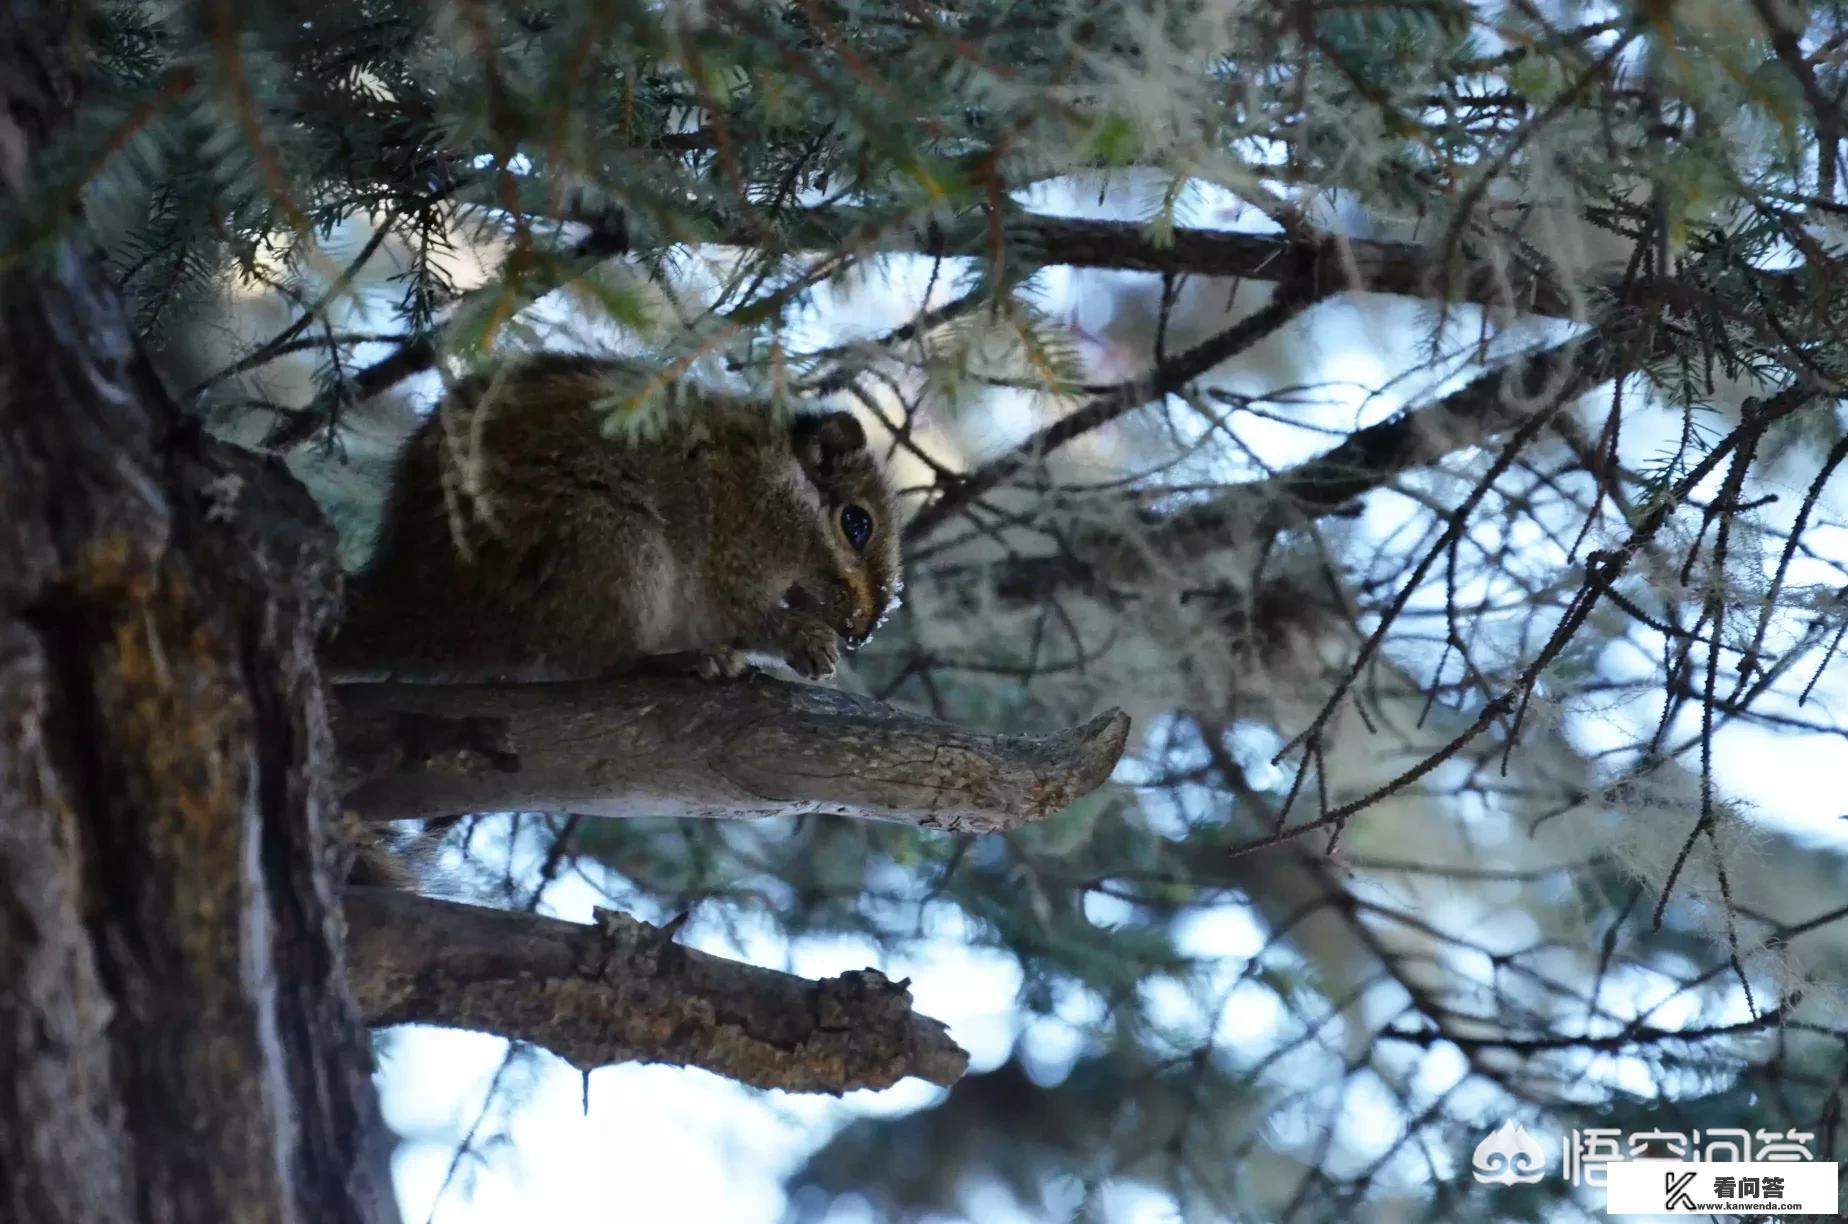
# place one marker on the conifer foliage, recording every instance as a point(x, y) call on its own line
point(1423, 416)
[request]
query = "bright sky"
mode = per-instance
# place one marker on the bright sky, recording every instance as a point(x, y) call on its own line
point(663, 1143)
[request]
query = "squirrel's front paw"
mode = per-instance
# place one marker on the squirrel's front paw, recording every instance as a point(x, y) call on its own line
point(811, 648)
point(720, 663)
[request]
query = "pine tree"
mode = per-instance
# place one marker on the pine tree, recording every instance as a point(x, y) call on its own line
point(1421, 418)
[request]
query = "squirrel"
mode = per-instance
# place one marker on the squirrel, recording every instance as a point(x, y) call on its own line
point(522, 539)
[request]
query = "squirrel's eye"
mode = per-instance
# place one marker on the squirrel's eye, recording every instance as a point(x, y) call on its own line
point(857, 526)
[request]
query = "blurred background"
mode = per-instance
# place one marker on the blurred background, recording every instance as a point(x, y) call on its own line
point(1420, 417)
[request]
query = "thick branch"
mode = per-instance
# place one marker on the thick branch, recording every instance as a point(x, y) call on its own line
point(623, 991)
point(1332, 265)
point(754, 747)
point(1335, 265)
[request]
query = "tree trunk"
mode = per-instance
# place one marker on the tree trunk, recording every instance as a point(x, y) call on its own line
point(177, 1042)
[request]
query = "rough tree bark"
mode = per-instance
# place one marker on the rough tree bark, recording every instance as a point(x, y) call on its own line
point(623, 990)
point(177, 1041)
point(682, 747)
point(671, 745)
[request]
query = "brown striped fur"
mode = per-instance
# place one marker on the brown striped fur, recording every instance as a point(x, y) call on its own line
point(522, 540)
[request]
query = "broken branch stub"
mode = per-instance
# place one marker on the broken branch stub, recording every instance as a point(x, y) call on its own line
point(623, 991)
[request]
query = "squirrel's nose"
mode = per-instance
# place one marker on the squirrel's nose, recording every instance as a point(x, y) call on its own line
point(862, 615)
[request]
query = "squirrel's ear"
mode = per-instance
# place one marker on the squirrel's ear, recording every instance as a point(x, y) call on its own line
point(829, 436)
point(842, 433)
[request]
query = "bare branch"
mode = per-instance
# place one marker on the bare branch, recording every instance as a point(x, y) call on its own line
point(1290, 300)
point(1366, 460)
point(1333, 264)
point(531, 280)
point(681, 746)
point(1328, 266)
point(623, 991)
point(1603, 569)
